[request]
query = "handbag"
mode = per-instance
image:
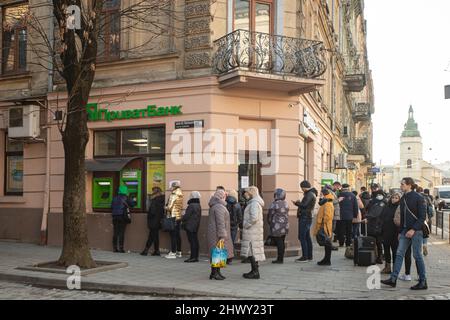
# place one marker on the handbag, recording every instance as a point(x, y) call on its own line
point(425, 227)
point(126, 213)
point(358, 218)
point(219, 255)
point(322, 238)
point(397, 217)
point(168, 224)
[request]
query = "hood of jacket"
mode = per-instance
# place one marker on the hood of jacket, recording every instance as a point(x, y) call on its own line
point(257, 199)
point(313, 190)
point(214, 200)
point(231, 200)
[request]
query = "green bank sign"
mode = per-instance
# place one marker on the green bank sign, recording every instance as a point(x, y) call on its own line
point(97, 114)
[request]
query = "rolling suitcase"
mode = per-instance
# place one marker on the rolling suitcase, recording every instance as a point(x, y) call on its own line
point(364, 251)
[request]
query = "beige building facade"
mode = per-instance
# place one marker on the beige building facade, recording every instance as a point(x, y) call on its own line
point(264, 93)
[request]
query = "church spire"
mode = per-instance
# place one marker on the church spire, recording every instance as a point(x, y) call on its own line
point(411, 126)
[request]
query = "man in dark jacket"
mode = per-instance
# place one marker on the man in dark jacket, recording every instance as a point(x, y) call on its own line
point(349, 211)
point(154, 216)
point(412, 218)
point(374, 221)
point(304, 215)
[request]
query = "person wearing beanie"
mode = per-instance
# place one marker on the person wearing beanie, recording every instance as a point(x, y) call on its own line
point(235, 211)
point(120, 206)
point(278, 219)
point(304, 215)
point(349, 210)
point(218, 229)
point(190, 222)
point(325, 220)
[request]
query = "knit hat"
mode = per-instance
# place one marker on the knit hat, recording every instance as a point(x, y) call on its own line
point(123, 190)
point(305, 185)
point(325, 191)
point(345, 186)
point(220, 194)
point(194, 195)
point(175, 184)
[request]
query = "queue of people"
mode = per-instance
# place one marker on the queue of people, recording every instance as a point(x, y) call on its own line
point(396, 222)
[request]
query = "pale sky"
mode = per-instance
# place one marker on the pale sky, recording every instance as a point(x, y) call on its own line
point(409, 51)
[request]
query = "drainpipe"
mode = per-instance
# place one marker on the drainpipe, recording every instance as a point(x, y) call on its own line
point(46, 204)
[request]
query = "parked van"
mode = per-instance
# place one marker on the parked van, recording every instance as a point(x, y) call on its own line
point(442, 194)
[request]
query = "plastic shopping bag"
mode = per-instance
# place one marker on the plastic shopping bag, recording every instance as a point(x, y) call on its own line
point(219, 255)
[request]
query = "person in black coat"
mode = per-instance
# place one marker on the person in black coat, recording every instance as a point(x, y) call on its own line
point(154, 216)
point(190, 222)
point(390, 232)
point(120, 207)
point(374, 221)
point(349, 210)
point(236, 216)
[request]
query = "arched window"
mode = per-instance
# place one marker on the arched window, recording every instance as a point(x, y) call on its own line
point(409, 164)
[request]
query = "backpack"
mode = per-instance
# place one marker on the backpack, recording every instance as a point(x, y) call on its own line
point(375, 218)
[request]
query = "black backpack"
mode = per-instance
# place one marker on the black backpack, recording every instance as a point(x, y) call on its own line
point(375, 218)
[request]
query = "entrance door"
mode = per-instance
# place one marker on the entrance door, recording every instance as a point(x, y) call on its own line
point(249, 172)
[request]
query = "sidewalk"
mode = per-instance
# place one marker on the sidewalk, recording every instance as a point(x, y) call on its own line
point(157, 275)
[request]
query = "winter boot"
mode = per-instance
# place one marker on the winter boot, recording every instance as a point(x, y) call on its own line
point(144, 252)
point(254, 273)
point(215, 274)
point(387, 269)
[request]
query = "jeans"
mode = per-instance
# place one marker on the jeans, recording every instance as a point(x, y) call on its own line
point(356, 230)
point(193, 241)
point(416, 242)
point(304, 235)
point(279, 241)
point(234, 235)
point(175, 238)
point(153, 238)
point(119, 227)
point(345, 232)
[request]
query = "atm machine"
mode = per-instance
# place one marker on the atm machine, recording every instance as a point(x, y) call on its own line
point(132, 178)
point(102, 193)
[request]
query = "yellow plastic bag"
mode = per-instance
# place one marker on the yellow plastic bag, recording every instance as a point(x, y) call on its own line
point(219, 255)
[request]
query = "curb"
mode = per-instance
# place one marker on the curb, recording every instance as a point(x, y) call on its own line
point(112, 288)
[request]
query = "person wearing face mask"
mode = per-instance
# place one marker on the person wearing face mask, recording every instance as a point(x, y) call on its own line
point(374, 222)
point(390, 231)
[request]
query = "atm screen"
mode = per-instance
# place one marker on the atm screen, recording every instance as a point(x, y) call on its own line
point(132, 183)
point(105, 195)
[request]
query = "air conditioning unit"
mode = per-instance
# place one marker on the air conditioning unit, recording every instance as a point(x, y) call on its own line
point(23, 121)
point(302, 130)
point(342, 161)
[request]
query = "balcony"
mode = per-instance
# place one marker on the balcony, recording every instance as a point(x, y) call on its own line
point(362, 112)
point(355, 73)
point(257, 60)
point(359, 147)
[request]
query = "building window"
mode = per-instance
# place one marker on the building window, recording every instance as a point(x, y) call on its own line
point(13, 167)
point(16, 117)
point(130, 142)
point(105, 143)
point(14, 35)
point(109, 39)
point(253, 15)
point(409, 164)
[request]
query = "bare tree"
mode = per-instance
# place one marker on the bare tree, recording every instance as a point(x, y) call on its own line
point(72, 52)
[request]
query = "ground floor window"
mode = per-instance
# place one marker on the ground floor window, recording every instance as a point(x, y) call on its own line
point(13, 167)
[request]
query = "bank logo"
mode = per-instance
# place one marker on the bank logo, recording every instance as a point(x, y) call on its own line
point(74, 280)
point(73, 17)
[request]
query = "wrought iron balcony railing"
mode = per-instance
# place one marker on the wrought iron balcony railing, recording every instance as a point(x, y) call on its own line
point(361, 112)
point(360, 147)
point(267, 53)
point(355, 78)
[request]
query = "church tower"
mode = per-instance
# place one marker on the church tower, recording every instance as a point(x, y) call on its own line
point(411, 149)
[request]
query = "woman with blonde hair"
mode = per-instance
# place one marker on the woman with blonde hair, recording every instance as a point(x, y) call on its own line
point(252, 244)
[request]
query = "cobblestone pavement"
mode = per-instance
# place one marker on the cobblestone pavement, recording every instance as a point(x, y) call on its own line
point(164, 278)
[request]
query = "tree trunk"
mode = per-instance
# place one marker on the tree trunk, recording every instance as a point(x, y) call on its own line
point(75, 137)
